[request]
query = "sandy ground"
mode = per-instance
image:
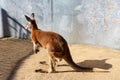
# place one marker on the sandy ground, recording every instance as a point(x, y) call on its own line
point(17, 62)
point(12, 53)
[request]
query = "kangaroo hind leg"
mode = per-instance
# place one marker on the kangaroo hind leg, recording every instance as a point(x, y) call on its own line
point(52, 63)
point(57, 60)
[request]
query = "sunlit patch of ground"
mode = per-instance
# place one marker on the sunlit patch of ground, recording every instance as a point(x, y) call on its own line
point(17, 62)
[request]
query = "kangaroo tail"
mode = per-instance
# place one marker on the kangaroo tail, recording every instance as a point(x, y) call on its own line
point(67, 57)
point(77, 67)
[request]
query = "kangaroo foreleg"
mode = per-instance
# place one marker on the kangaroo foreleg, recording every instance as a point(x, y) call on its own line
point(35, 47)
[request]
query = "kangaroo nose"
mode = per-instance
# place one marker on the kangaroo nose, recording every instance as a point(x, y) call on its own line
point(26, 27)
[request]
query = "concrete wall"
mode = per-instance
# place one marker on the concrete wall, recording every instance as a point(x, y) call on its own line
point(95, 22)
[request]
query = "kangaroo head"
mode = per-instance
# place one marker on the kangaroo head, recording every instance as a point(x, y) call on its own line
point(31, 24)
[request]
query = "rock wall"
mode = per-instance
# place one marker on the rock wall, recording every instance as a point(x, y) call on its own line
point(95, 22)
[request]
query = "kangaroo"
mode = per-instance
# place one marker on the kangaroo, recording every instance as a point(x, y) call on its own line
point(54, 43)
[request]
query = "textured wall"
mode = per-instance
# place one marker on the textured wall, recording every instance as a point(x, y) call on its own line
point(94, 22)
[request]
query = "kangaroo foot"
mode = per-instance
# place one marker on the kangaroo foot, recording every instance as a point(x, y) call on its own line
point(51, 71)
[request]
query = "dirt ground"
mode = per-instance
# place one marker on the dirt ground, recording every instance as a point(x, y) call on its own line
point(17, 62)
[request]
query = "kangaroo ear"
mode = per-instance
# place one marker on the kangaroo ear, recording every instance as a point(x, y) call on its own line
point(33, 16)
point(27, 18)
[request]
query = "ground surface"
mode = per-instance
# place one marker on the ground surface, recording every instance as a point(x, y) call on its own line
point(17, 62)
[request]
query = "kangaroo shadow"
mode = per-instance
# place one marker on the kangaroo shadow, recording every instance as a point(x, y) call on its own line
point(96, 64)
point(101, 64)
point(92, 64)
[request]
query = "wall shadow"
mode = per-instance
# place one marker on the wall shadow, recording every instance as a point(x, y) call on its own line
point(17, 66)
point(5, 24)
point(12, 28)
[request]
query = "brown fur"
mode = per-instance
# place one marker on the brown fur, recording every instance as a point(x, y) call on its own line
point(54, 43)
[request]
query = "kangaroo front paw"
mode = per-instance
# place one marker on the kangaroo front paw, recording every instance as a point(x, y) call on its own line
point(36, 51)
